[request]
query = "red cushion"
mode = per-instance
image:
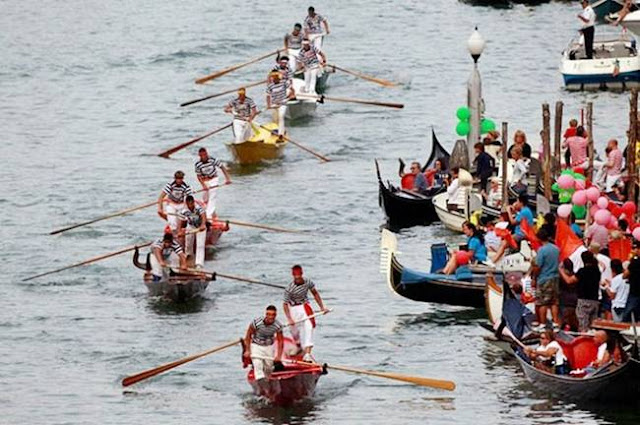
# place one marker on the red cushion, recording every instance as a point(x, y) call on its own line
point(580, 352)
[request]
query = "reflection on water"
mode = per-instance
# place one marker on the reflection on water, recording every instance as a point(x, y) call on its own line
point(164, 306)
point(440, 317)
point(260, 410)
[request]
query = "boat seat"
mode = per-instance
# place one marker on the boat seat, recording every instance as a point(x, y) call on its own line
point(439, 256)
point(580, 352)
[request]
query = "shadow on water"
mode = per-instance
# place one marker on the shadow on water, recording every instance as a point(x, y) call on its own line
point(250, 169)
point(165, 307)
point(441, 317)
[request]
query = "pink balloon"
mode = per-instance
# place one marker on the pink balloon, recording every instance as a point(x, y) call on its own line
point(565, 181)
point(564, 210)
point(603, 202)
point(593, 210)
point(579, 184)
point(636, 233)
point(613, 222)
point(579, 198)
point(593, 193)
point(629, 208)
point(602, 217)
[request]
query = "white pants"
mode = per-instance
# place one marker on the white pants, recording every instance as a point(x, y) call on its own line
point(199, 238)
point(303, 331)
point(316, 40)
point(157, 270)
point(262, 362)
point(241, 130)
point(610, 181)
point(278, 117)
point(293, 58)
point(171, 209)
point(310, 77)
point(210, 196)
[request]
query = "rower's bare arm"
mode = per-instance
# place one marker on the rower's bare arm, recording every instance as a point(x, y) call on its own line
point(318, 298)
point(326, 26)
point(287, 312)
point(183, 260)
point(202, 181)
point(203, 221)
point(286, 42)
point(247, 342)
point(161, 206)
point(280, 348)
point(227, 176)
point(268, 101)
point(324, 57)
point(157, 252)
point(228, 109)
point(254, 112)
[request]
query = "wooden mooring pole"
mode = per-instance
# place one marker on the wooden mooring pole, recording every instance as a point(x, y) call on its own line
point(546, 150)
point(631, 147)
point(505, 192)
point(557, 136)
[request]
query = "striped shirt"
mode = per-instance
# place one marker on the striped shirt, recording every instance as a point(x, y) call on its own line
point(193, 218)
point(242, 110)
point(264, 334)
point(177, 193)
point(294, 41)
point(309, 58)
point(287, 73)
point(278, 92)
point(313, 25)
point(208, 168)
point(297, 294)
point(166, 252)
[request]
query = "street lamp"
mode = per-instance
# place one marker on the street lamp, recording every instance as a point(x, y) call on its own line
point(475, 45)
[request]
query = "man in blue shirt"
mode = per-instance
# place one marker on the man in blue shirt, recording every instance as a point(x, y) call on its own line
point(522, 212)
point(419, 181)
point(547, 279)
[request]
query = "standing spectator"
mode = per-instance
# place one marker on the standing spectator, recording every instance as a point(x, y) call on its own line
point(520, 141)
point(588, 285)
point(568, 298)
point(632, 273)
point(588, 18)
point(546, 278)
point(484, 165)
point(519, 181)
point(598, 234)
point(617, 290)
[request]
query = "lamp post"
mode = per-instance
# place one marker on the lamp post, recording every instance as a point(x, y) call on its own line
point(475, 45)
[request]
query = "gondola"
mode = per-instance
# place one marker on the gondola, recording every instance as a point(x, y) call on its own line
point(178, 287)
point(407, 209)
point(435, 287)
point(289, 384)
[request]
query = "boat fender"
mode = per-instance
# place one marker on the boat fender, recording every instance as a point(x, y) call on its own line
point(324, 369)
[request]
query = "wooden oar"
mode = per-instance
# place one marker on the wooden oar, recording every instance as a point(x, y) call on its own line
point(358, 74)
point(232, 277)
point(350, 100)
point(212, 96)
point(261, 226)
point(120, 213)
point(171, 151)
point(304, 148)
point(91, 260)
point(130, 380)
point(210, 77)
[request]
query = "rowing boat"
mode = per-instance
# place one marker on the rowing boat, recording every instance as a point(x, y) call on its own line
point(262, 146)
point(177, 287)
point(300, 107)
point(289, 384)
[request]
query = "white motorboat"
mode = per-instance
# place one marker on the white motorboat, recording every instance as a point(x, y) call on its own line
point(615, 63)
point(632, 22)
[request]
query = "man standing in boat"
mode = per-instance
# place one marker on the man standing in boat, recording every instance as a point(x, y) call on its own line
point(171, 199)
point(244, 111)
point(297, 307)
point(310, 59)
point(207, 173)
point(166, 253)
point(193, 226)
point(283, 68)
point(588, 19)
point(279, 91)
point(258, 344)
point(313, 24)
point(293, 44)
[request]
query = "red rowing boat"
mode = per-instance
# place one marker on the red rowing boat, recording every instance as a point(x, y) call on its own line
point(292, 383)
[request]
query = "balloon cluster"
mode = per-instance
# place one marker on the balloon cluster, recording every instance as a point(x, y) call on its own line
point(572, 186)
point(464, 127)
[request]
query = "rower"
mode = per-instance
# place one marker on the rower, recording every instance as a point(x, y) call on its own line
point(258, 344)
point(174, 192)
point(279, 91)
point(297, 308)
point(313, 24)
point(193, 219)
point(166, 253)
point(283, 68)
point(310, 59)
point(244, 111)
point(207, 172)
point(293, 44)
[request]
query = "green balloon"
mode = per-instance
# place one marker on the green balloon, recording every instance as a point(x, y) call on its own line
point(579, 176)
point(555, 187)
point(567, 171)
point(463, 114)
point(580, 211)
point(564, 197)
point(486, 125)
point(463, 128)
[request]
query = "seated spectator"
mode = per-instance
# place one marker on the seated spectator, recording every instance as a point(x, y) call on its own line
point(491, 239)
point(617, 290)
point(548, 355)
point(419, 181)
point(520, 141)
point(437, 175)
point(459, 264)
point(517, 212)
point(519, 180)
point(494, 197)
point(453, 189)
point(603, 357)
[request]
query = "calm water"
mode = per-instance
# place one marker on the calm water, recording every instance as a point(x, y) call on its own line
point(90, 91)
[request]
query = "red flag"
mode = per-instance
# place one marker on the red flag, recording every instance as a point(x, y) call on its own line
point(506, 235)
point(566, 240)
point(530, 234)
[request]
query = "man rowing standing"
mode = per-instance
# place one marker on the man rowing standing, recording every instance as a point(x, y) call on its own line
point(193, 227)
point(207, 172)
point(310, 59)
point(173, 195)
point(313, 24)
point(293, 44)
point(296, 307)
point(166, 253)
point(279, 91)
point(258, 344)
point(244, 111)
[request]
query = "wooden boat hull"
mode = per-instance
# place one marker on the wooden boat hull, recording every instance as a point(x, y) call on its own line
point(177, 289)
point(293, 384)
point(263, 146)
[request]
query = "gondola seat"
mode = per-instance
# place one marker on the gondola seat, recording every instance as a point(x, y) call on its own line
point(580, 352)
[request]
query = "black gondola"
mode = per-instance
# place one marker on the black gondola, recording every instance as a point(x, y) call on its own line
point(407, 209)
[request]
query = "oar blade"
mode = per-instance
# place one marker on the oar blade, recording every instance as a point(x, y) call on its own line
point(416, 380)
